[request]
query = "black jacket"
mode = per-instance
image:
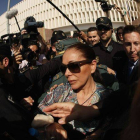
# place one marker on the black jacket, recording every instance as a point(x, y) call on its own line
point(133, 76)
point(14, 119)
point(112, 56)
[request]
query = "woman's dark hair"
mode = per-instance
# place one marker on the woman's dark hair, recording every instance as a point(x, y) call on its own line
point(89, 54)
point(117, 34)
point(86, 50)
point(34, 42)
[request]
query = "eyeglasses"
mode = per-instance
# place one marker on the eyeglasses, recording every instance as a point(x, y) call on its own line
point(100, 28)
point(74, 67)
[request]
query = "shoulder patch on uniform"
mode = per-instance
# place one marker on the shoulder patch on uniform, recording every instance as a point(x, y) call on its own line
point(97, 59)
point(57, 76)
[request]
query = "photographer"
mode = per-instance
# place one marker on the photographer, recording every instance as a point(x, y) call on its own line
point(15, 119)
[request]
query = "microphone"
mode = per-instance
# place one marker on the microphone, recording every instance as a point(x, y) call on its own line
point(12, 13)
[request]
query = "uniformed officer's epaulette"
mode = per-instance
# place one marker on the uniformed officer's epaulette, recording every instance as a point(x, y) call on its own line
point(100, 66)
point(57, 76)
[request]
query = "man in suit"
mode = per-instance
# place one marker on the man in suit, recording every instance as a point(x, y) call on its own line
point(131, 36)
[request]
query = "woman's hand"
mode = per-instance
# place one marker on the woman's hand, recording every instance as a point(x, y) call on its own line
point(118, 9)
point(27, 102)
point(55, 132)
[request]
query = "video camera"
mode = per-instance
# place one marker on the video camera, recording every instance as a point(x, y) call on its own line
point(104, 5)
point(30, 25)
point(11, 38)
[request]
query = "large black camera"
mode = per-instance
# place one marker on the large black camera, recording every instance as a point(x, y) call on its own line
point(105, 6)
point(10, 38)
point(30, 25)
point(28, 54)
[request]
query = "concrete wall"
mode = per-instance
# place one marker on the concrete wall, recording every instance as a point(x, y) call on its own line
point(82, 12)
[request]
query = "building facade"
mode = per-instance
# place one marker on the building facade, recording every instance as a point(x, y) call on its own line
point(82, 12)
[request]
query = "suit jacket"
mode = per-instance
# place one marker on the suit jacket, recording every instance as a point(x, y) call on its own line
point(133, 76)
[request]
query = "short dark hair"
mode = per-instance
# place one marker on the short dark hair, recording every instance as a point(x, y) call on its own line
point(9, 57)
point(130, 29)
point(90, 29)
point(5, 52)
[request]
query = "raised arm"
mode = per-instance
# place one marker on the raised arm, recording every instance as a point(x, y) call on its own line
point(123, 15)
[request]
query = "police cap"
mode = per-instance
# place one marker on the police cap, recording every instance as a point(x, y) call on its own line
point(104, 21)
point(58, 35)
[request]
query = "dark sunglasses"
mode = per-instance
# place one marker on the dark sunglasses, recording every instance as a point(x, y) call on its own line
point(100, 28)
point(74, 67)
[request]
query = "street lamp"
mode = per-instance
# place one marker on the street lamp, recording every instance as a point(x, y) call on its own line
point(8, 8)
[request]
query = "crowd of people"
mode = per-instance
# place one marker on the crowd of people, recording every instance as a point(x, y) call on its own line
point(84, 87)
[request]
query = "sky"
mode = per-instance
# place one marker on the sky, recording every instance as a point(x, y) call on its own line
point(4, 3)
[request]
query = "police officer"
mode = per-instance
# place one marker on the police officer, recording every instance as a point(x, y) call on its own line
point(109, 52)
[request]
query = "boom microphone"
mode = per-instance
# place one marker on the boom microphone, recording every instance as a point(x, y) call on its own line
point(12, 13)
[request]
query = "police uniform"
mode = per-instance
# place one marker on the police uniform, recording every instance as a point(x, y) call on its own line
point(109, 80)
point(112, 56)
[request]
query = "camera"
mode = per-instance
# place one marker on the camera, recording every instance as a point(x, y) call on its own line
point(30, 38)
point(104, 5)
point(31, 25)
point(11, 38)
point(28, 54)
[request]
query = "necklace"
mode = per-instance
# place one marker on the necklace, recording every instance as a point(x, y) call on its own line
point(90, 95)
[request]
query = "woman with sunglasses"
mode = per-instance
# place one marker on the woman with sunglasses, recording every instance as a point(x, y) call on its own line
point(79, 67)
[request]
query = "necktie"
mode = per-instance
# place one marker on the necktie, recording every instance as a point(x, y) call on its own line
point(130, 68)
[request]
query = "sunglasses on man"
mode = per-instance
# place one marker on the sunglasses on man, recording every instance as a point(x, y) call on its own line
point(100, 28)
point(74, 67)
